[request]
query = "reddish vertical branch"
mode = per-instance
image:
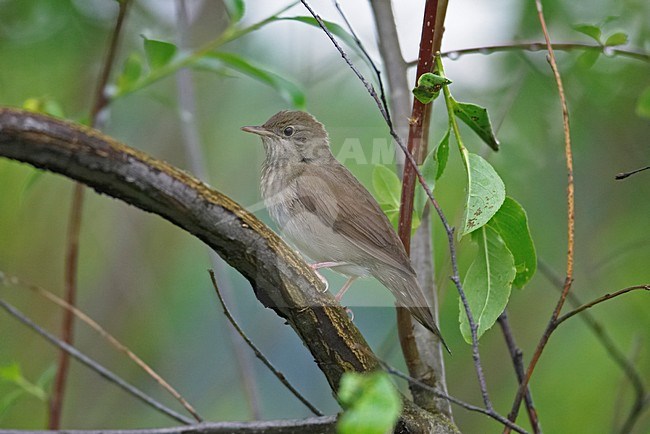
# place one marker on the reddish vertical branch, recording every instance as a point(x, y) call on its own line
point(418, 125)
point(74, 231)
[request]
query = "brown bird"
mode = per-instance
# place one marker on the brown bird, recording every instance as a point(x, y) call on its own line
point(326, 212)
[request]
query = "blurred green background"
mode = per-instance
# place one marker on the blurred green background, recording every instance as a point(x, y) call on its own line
point(146, 282)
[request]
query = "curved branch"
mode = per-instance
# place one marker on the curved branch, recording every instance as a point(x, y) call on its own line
point(280, 278)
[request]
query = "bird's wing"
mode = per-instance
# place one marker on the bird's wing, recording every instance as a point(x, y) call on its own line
point(342, 203)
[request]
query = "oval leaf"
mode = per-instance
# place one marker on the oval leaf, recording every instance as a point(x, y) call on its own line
point(387, 186)
point(511, 223)
point(487, 283)
point(590, 30)
point(486, 193)
point(476, 117)
point(619, 38)
point(428, 88)
point(442, 154)
point(371, 402)
point(235, 8)
point(286, 88)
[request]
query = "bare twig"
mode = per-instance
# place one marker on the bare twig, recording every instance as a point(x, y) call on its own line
point(491, 413)
point(101, 370)
point(642, 399)
point(517, 360)
point(455, 278)
point(537, 46)
point(592, 303)
point(74, 229)
point(279, 375)
point(13, 280)
point(193, 150)
point(624, 175)
point(570, 219)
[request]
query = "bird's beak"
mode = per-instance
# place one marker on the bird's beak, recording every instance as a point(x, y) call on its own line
point(260, 131)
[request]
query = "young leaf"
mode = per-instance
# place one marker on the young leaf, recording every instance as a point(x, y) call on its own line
point(590, 30)
point(131, 73)
point(511, 223)
point(428, 87)
point(45, 105)
point(442, 154)
point(287, 89)
point(486, 192)
point(619, 38)
point(476, 117)
point(235, 8)
point(13, 374)
point(158, 53)
point(588, 58)
point(487, 283)
point(371, 402)
point(387, 185)
point(643, 104)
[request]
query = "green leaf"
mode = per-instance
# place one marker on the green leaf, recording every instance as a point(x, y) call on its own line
point(588, 58)
point(619, 38)
point(8, 400)
point(476, 117)
point(487, 283)
point(159, 53)
point(590, 30)
point(429, 169)
point(511, 223)
point(45, 105)
point(334, 28)
point(287, 89)
point(643, 104)
point(442, 153)
point(428, 87)
point(387, 186)
point(131, 73)
point(486, 193)
point(12, 374)
point(235, 8)
point(371, 402)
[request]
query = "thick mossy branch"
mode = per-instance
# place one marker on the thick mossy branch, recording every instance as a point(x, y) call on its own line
point(280, 278)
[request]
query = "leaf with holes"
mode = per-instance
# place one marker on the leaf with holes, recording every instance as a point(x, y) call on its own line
point(429, 86)
point(511, 223)
point(487, 283)
point(476, 117)
point(486, 192)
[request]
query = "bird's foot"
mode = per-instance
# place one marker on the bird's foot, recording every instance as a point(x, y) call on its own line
point(350, 313)
point(322, 279)
point(328, 264)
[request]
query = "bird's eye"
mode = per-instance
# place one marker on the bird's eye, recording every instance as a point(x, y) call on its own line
point(288, 131)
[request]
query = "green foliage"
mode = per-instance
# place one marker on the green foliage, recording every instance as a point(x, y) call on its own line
point(442, 153)
point(288, 90)
point(595, 32)
point(488, 282)
point(371, 403)
point(45, 105)
point(159, 53)
point(428, 87)
point(511, 223)
point(618, 38)
point(131, 73)
point(476, 117)
point(590, 30)
point(236, 9)
point(643, 104)
point(388, 189)
point(485, 194)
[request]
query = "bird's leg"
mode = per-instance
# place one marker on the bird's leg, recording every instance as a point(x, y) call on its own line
point(318, 265)
point(346, 286)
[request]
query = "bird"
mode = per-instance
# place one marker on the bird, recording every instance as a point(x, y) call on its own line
point(329, 215)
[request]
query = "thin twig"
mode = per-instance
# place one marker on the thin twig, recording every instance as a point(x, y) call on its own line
point(517, 360)
point(491, 413)
point(455, 278)
point(592, 303)
point(194, 152)
point(279, 375)
point(642, 399)
point(382, 92)
point(101, 370)
point(537, 46)
point(570, 219)
point(74, 230)
point(624, 175)
point(14, 281)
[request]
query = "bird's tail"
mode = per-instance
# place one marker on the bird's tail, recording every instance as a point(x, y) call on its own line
point(407, 292)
